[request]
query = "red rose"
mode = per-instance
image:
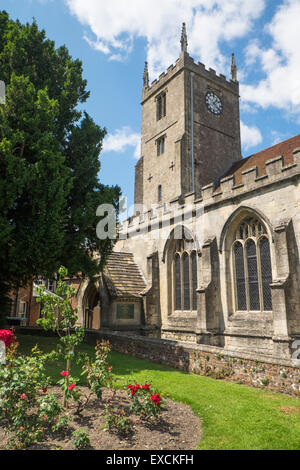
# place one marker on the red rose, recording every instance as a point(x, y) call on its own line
point(64, 373)
point(155, 398)
point(70, 387)
point(134, 389)
point(146, 387)
point(7, 337)
point(23, 396)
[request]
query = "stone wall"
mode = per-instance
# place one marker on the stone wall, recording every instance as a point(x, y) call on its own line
point(207, 361)
point(274, 199)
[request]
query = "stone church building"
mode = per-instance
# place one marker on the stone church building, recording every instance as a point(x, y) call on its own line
point(211, 256)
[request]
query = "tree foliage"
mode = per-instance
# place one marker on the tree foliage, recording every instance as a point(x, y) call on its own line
point(49, 161)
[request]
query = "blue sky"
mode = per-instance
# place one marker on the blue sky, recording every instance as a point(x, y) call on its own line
point(113, 39)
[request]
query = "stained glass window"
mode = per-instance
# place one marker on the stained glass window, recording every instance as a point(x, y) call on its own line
point(251, 249)
point(266, 272)
point(177, 283)
point(194, 280)
point(185, 276)
point(186, 281)
point(240, 277)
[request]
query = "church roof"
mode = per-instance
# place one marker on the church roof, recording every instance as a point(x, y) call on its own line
point(122, 276)
point(284, 149)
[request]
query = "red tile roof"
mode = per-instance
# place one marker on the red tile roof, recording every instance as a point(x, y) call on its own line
point(284, 149)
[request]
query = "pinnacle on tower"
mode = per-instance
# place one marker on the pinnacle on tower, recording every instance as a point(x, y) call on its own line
point(146, 76)
point(184, 41)
point(233, 69)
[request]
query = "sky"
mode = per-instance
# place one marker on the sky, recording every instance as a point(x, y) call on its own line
point(114, 38)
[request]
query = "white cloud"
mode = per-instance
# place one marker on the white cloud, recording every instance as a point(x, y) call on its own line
point(280, 63)
point(278, 137)
point(115, 24)
point(121, 139)
point(247, 107)
point(250, 136)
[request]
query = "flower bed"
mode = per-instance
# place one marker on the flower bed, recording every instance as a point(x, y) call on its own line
point(176, 429)
point(35, 414)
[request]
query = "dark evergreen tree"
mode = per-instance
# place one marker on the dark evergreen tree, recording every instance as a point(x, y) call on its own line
point(49, 161)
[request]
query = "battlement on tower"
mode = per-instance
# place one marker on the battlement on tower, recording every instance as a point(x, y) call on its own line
point(186, 62)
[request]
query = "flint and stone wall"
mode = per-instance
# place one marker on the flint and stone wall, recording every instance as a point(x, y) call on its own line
point(207, 361)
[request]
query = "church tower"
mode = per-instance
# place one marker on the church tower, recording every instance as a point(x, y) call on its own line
point(190, 130)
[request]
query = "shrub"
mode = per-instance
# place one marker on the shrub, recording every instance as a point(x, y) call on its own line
point(25, 404)
point(98, 372)
point(116, 420)
point(49, 410)
point(146, 403)
point(80, 439)
point(58, 315)
point(265, 382)
point(68, 386)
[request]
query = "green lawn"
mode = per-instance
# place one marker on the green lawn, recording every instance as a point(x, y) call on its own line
point(233, 416)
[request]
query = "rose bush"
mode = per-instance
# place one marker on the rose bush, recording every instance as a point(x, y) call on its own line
point(29, 411)
point(25, 406)
point(145, 404)
point(63, 324)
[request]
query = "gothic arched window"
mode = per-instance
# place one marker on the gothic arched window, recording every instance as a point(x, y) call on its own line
point(194, 280)
point(252, 270)
point(177, 282)
point(184, 277)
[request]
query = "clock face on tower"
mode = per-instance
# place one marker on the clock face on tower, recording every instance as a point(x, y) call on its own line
point(213, 103)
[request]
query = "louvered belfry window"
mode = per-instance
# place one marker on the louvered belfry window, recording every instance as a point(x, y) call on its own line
point(184, 278)
point(252, 270)
point(161, 106)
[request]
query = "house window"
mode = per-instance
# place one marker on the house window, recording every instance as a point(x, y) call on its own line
point(160, 143)
point(252, 270)
point(49, 284)
point(159, 193)
point(161, 106)
point(184, 278)
point(22, 310)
